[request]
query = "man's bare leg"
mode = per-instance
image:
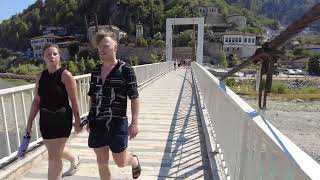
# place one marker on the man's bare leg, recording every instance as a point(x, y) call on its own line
point(125, 159)
point(103, 162)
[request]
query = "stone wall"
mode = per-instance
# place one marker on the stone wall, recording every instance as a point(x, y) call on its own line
point(211, 52)
point(144, 54)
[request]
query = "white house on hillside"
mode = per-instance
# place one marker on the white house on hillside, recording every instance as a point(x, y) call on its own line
point(119, 33)
point(242, 44)
point(37, 44)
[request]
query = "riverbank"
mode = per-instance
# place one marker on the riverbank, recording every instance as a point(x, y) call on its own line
point(298, 120)
point(8, 83)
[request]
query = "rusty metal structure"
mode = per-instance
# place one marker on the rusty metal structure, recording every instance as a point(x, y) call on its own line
point(267, 55)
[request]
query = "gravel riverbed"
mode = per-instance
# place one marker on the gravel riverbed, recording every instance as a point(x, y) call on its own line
point(299, 121)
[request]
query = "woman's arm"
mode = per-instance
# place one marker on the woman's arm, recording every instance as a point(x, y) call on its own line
point(71, 87)
point(34, 106)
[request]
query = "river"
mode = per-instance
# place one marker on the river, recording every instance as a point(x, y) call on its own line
point(5, 84)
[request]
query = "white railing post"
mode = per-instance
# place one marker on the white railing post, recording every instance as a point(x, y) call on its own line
point(80, 83)
point(15, 118)
point(24, 108)
point(5, 126)
point(35, 119)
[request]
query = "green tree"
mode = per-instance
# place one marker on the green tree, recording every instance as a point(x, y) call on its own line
point(124, 40)
point(82, 66)
point(158, 36)
point(141, 42)
point(313, 66)
point(25, 69)
point(73, 48)
point(237, 60)
point(72, 67)
point(154, 57)
point(298, 51)
point(5, 53)
point(159, 43)
point(90, 64)
point(224, 61)
point(134, 60)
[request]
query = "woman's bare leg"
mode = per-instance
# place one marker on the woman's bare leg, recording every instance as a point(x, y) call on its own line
point(55, 150)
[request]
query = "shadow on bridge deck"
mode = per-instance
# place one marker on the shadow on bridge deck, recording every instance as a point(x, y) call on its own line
point(170, 143)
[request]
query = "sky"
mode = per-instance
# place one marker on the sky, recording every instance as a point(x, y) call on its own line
point(9, 8)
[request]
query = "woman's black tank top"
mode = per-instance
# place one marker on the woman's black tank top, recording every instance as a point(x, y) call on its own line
point(52, 92)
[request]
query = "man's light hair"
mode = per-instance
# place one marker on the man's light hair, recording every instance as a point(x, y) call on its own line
point(102, 34)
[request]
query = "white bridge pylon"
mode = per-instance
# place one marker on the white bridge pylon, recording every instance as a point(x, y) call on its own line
point(185, 21)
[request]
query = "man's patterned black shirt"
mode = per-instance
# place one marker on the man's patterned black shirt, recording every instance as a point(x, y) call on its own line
point(109, 100)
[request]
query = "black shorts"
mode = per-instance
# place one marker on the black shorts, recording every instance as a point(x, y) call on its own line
point(55, 124)
point(116, 137)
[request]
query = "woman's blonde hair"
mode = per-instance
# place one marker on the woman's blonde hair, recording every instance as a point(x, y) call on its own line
point(102, 34)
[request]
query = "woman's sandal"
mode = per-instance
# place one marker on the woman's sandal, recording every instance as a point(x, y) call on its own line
point(137, 170)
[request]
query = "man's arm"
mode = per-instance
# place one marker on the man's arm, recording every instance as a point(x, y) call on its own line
point(135, 110)
point(133, 128)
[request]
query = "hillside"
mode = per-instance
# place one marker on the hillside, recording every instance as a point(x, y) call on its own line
point(285, 11)
point(16, 31)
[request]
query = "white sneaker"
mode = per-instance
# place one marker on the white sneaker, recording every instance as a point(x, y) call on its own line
point(73, 167)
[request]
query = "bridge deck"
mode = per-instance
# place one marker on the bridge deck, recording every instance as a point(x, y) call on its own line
point(170, 143)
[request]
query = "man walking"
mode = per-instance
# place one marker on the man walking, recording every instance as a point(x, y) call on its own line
point(111, 83)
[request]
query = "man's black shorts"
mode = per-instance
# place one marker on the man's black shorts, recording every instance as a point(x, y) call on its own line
point(116, 137)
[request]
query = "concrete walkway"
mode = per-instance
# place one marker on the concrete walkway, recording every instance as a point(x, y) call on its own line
point(170, 143)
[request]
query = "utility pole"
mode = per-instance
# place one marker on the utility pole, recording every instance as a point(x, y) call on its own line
point(193, 41)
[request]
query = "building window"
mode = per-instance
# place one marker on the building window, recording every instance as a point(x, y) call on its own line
point(236, 39)
point(238, 49)
point(227, 49)
point(245, 40)
point(240, 39)
point(225, 39)
point(249, 40)
point(252, 40)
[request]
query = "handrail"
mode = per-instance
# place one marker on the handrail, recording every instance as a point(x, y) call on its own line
point(251, 147)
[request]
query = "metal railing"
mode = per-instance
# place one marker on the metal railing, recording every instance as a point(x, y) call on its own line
point(148, 71)
point(15, 104)
point(249, 145)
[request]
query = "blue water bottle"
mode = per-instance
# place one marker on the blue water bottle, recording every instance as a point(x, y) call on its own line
point(24, 145)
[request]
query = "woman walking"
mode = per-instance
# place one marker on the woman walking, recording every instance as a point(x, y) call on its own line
point(54, 87)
